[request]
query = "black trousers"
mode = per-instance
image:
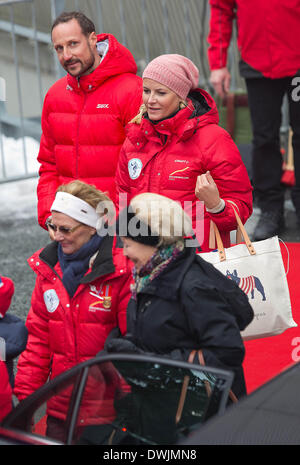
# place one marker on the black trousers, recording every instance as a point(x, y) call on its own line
point(265, 98)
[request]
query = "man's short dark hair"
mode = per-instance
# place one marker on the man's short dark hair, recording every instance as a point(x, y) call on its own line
point(87, 26)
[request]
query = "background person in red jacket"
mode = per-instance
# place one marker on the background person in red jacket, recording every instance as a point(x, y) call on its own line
point(5, 392)
point(175, 148)
point(268, 40)
point(85, 112)
point(81, 294)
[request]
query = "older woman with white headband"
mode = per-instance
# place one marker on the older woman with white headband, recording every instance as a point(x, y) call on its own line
point(81, 294)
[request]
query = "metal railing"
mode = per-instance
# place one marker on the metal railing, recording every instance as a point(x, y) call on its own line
point(18, 125)
point(147, 27)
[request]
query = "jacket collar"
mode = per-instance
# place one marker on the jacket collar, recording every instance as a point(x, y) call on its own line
point(102, 265)
point(200, 111)
point(168, 283)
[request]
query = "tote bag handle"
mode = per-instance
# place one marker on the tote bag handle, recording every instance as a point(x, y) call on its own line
point(243, 233)
point(185, 385)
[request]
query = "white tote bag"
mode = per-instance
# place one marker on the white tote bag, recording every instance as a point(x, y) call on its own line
point(258, 270)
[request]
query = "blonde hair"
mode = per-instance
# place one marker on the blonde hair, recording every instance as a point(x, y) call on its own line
point(165, 217)
point(87, 192)
point(138, 118)
point(143, 109)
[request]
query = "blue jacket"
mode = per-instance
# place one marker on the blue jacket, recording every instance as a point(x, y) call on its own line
point(14, 333)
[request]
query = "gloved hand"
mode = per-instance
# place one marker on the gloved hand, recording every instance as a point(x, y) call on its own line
point(122, 345)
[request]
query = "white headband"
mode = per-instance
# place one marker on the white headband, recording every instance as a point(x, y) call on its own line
point(75, 208)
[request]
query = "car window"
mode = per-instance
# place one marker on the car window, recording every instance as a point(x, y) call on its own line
point(144, 403)
point(123, 399)
point(30, 415)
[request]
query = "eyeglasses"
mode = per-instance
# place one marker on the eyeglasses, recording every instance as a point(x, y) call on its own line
point(62, 229)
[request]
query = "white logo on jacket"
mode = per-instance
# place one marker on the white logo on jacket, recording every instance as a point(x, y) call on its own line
point(135, 167)
point(51, 300)
point(102, 105)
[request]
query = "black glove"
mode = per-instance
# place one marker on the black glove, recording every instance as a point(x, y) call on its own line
point(122, 345)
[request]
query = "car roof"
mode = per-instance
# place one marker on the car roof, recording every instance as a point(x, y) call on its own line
point(270, 415)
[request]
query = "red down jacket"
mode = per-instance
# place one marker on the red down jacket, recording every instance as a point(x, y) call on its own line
point(5, 392)
point(268, 34)
point(83, 125)
point(167, 157)
point(65, 331)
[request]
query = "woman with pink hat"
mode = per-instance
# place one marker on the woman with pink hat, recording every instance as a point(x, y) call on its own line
point(174, 147)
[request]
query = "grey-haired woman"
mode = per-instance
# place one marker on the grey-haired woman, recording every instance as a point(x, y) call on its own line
point(179, 302)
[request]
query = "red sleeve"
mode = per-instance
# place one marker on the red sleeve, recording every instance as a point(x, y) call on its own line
point(130, 98)
point(230, 174)
point(5, 392)
point(222, 13)
point(34, 363)
point(48, 180)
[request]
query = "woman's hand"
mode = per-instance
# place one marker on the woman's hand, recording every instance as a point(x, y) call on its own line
point(207, 190)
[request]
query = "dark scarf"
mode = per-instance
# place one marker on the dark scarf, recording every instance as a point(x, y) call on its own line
point(155, 266)
point(75, 265)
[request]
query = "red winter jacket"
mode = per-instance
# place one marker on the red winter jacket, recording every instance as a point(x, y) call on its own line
point(5, 392)
point(83, 125)
point(268, 34)
point(65, 331)
point(167, 157)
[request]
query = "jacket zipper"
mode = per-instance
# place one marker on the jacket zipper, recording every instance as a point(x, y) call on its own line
point(158, 172)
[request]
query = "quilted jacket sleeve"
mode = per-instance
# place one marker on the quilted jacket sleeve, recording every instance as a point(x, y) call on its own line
point(34, 363)
point(224, 162)
point(130, 98)
point(221, 17)
point(48, 180)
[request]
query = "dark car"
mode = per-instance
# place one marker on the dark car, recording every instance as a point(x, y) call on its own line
point(150, 400)
point(268, 416)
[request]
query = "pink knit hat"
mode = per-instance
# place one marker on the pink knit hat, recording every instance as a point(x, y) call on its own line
point(176, 72)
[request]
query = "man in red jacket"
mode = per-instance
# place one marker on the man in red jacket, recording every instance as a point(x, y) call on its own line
point(85, 112)
point(268, 34)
